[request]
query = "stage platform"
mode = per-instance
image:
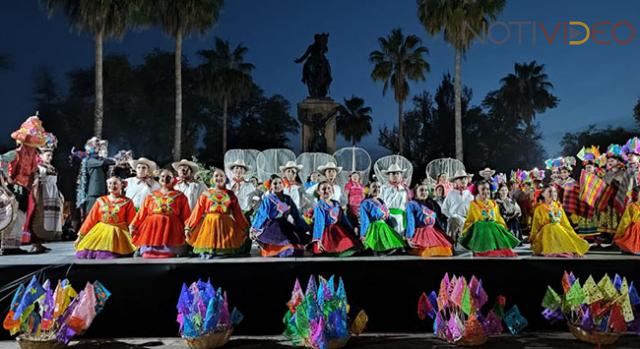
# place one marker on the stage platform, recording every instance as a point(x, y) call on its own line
point(145, 291)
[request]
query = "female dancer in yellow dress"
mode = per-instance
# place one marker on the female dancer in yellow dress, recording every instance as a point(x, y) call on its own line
point(628, 234)
point(551, 232)
point(105, 232)
point(216, 225)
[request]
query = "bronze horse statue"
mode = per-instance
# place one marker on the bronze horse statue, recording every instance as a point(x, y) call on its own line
point(316, 72)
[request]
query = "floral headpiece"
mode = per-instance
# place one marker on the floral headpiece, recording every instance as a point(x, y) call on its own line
point(615, 151)
point(562, 162)
point(632, 146)
point(589, 155)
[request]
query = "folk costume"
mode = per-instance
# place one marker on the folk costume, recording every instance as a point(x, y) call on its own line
point(485, 231)
point(137, 188)
point(422, 233)
point(189, 185)
point(553, 235)
point(333, 230)
point(376, 233)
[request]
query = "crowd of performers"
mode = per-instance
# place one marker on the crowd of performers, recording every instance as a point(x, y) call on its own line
point(170, 212)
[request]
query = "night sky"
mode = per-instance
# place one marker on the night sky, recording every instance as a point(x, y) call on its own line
point(596, 84)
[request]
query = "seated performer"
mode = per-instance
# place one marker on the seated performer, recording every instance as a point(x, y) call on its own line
point(240, 186)
point(217, 226)
point(456, 205)
point(422, 234)
point(395, 194)
point(551, 232)
point(510, 210)
point(278, 226)
point(485, 232)
point(143, 184)
point(628, 235)
point(187, 183)
point(105, 232)
point(375, 233)
point(158, 227)
point(332, 232)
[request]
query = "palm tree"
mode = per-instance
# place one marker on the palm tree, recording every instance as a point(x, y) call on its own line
point(526, 92)
point(180, 19)
point(104, 19)
point(399, 60)
point(354, 119)
point(459, 20)
point(227, 78)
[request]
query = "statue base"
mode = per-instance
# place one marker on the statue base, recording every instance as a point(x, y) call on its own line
point(315, 113)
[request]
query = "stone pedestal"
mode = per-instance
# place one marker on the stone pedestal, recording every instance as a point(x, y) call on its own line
point(315, 113)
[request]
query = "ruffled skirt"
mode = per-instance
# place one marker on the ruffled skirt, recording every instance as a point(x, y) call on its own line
point(160, 236)
point(105, 241)
point(630, 241)
point(429, 242)
point(489, 239)
point(380, 237)
point(336, 240)
point(280, 238)
point(555, 240)
point(219, 234)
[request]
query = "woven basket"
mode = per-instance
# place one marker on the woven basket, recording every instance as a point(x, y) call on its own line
point(34, 343)
point(472, 341)
point(210, 341)
point(598, 338)
point(338, 342)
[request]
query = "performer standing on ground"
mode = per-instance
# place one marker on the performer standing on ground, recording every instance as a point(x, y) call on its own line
point(239, 185)
point(551, 232)
point(456, 205)
point(217, 226)
point(105, 232)
point(485, 232)
point(93, 174)
point(330, 172)
point(158, 227)
point(333, 234)
point(143, 184)
point(190, 186)
point(355, 194)
point(375, 232)
point(291, 185)
point(423, 235)
point(278, 226)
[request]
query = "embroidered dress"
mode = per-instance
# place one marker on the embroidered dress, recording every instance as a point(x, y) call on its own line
point(378, 235)
point(138, 189)
point(279, 228)
point(333, 230)
point(628, 234)
point(355, 195)
point(105, 231)
point(191, 189)
point(217, 225)
point(552, 234)
point(396, 198)
point(485, 232)
point(159, 224)
point(425, 238)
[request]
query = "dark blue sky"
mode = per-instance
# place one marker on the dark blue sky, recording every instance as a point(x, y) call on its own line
point(596, 84)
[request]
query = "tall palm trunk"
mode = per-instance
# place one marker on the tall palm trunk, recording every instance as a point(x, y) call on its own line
point(98, 113)
point(400, 129)
point(458, 106)
point(177, 137)
point(225, 107)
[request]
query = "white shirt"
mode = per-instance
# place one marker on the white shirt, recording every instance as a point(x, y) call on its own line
point(394, 196)
point(337, 194)
point(244, 191)
point(456, 204)
point(137, 190)
point(192, 190)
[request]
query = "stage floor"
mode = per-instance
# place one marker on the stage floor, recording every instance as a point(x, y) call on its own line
point(63, 253)
point(537, 340)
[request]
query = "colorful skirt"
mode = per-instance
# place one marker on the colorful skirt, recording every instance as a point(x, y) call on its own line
point(380, 237)
point(555, 240)
point(219, 234)
point(429, 242)
point(280, 238)
point(489, 239)
point(336, 240)
point(608, 220)
point(587, 227)
point(105, 241)
point(630, 241)
point(160, 236)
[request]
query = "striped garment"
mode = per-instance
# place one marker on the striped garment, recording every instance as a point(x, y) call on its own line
point(591, 188)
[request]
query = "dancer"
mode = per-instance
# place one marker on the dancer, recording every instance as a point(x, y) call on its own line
point(355, 194)
point(217, 226)
point(456, 205)
point(610, 210)
point(104, 233)
point(143, 184)
point(187, 183)
point(239, 185)
point(333, 234)
point(423, 235)
point(443, 180)
point(485, 232)
point(376, 234)
point(277, 226)
point(158, 227)
point(587, 225)
point(291, 185)
point(330, 172)
point(92, 177)
point(628, 234)
point(510, 210)
point(551, 232)
point(395, 194)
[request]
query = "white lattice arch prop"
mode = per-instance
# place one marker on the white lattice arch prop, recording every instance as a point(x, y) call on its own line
point(443, 165)
point(249, 156)
point(383, 164)
point(353, 159)
point(311, 162)
point(270, 160)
